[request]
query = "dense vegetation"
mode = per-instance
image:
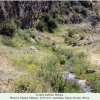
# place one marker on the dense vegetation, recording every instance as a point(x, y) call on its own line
point(47, 23)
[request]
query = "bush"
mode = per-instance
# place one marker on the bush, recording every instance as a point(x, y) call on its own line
point(67, 3)
point(9, 42)
point(94, 22)
point(7, 29)
point(71, 33)
point(85, 3)
point(82, 37)
point(70, 41)
point(25, 35)
point(32, 35)
point(54, 13)
point(47, 23)
point(67, 12)
point(80, 9)
point(66, 52)
point(18, 23)
point(41, 26)
point(62, 61)
point(51, 25)
point(95, 84)
point(84, 11)
point(77, 8)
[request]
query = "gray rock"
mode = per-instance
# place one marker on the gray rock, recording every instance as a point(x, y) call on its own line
point(40, 37)
point(36, 50)
point(32, 40)
point(32, 48)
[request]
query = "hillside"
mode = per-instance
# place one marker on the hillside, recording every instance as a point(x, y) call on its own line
point(49, 46)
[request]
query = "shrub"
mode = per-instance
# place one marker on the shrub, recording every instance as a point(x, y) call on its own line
point(77, 8)
point(41, 26)
point(7, 29)
point(25, 85)
point(82, 37)
point(32, 35)
point(67, 12)
point(94, 22)
point(80, 9)
point(85, 3)
point(9, 42)
point(25, 35)
point(54, 13)
point(18, 23)
point(53, 48)
point(67, 3)
point(47, 23)
point(63, 10)
point(62, 61)
point(51, 25)
point(84, 11)
point(71, 33)
point(95, 84)
point(66, 52)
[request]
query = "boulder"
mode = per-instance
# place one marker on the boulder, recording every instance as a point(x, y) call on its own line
point(36, 50)
point(32, 48)
point(32, 40)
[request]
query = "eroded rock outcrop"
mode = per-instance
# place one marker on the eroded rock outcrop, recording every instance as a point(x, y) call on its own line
point(29, 12)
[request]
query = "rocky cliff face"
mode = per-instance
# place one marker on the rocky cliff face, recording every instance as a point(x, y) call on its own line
point(27, 11)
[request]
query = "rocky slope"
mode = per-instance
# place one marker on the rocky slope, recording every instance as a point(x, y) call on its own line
point(29, 12)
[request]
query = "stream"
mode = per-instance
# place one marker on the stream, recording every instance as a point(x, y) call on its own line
point(81, 83)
